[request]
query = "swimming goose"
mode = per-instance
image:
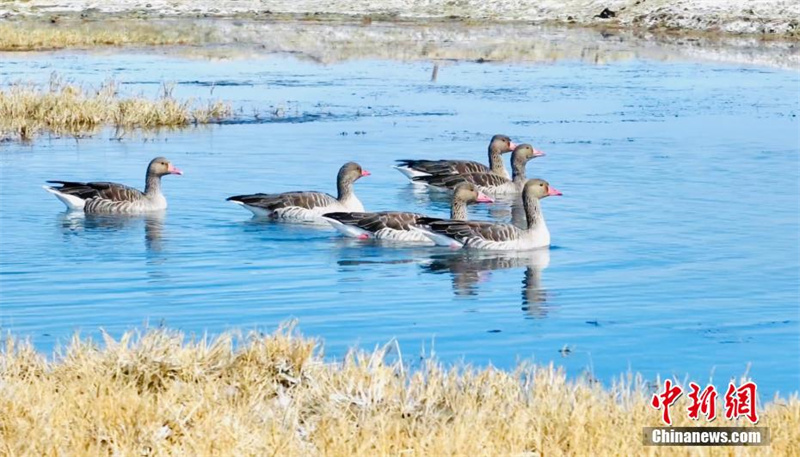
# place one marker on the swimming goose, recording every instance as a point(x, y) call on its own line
point(396, 225)
point(496, 236)
point(113, 198)
point(307, 206)
point(489, 183)
point(500, 144)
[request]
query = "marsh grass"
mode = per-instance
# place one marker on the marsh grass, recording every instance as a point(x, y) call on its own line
point(158, 393)
point(38, 35)
point(68, 109)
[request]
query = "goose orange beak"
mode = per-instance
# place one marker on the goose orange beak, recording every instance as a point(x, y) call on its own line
point(483, 198)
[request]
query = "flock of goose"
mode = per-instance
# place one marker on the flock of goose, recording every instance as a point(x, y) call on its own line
point(468, 181)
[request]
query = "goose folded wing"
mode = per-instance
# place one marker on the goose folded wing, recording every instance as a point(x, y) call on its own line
point(396, 220)
point(275, 202)
point(416, 164)
point(472, 167)
point(374, 222)
point(445, 167)
point(104, 190)
point(423, 164)
point(486, 179)
point(457, 230)
point(464, 231)
point(451, 181)
point(496, 232)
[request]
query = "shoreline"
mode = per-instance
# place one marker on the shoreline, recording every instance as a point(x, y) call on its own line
point(333, 39)
point(770, 18)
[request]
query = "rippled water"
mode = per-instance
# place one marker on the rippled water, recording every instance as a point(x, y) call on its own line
point(675, 243)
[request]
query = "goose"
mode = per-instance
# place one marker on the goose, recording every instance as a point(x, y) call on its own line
point(307, 206)
point(113, 198)
point(496, 236)
point(396, 225)
point(500, 144)
point(489, 183)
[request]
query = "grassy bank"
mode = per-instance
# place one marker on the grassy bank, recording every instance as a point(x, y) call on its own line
point(161, 394)
point(41, 35)
point(67, 109)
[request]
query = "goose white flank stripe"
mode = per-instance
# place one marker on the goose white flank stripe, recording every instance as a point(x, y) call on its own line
point(307, 206)
point(113, 198)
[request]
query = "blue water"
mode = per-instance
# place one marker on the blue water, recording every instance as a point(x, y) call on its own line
point(675, 244)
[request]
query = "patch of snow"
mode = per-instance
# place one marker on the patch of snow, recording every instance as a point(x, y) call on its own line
point(781, 17)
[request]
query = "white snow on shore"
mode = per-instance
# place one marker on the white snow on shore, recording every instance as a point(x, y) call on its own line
point(780, 17)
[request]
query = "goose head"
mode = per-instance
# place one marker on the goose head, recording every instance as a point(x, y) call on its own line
point(501, 144)
point(523, 153)
point(540, 188)
point(351, 172)
point(160, 166)
point(468, 193)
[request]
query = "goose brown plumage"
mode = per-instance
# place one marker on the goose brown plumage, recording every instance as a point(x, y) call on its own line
point(498, 145)
point(114, 198)
point(496, 236)
point(397, 225)
point(307, 206)
point(489, 183)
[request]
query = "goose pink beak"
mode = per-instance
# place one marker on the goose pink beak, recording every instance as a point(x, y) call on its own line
point(174, 170)
point(365, 173)
point(483, 198)
point(554, 192)
point(512, 145)
point(538, 153)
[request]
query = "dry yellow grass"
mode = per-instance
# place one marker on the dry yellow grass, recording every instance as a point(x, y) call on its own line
point(161, 394)
point(35, 35)
point(66, 109)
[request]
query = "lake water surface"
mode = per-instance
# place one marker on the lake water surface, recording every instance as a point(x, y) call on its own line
point(675, 245)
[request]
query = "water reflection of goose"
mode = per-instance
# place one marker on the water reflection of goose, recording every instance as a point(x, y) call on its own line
point(75, 222)
point(351, 252)
point(469, 268)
